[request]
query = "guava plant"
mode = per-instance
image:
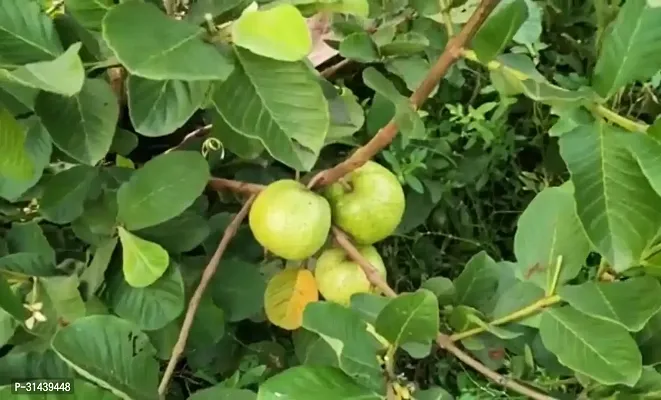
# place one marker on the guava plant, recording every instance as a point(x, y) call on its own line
point(242, 255)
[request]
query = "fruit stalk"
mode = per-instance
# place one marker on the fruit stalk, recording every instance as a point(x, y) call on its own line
point(451, 53)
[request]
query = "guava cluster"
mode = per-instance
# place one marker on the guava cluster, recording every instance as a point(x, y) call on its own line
point(293, 223)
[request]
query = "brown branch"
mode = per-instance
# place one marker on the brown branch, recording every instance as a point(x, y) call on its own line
point(197, 133)
point(234, 186)
point(386, 135)
point(208, 273)
point(443, 341)
point(330, 71)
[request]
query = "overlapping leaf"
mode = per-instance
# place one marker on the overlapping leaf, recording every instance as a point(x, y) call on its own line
point(499, 29)
point(82, 125)
point(15, 162)
point(143, 262)
point(153, 46)
point(615, 202)
point(280, 103)
point(631, 49)
point(409, 318)
point(549, 237)
point(26, 33)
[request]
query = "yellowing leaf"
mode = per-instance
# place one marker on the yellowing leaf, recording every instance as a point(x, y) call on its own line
point(143, 261)
point(287, 294)
point(255, 30)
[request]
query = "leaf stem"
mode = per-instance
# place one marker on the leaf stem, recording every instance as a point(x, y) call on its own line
point(447, 17)
point(516, 315)
point(556, 277)
point(599, 109)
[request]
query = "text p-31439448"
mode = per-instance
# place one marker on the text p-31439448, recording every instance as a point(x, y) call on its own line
point(42, 386)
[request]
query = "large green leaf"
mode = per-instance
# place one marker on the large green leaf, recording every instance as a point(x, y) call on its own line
point(64, 296)
point(179, 234)
point(647, 151)
point(28, 264)
point(94, 275)
point(499, 29)
point(597, 348)
point(319, 383)
point(238, 289)
point(64, 75)
point(38, 147)
point(9, 301)
point(615, 202)
point(631, 50)
point(158, 108)
point(82, 125)
point(112, 353)
point(630, 303)
point(153, 46)
point(15, 163)
point(280, 103)
point(29, 237)
point(25, 363)
point(26, 33)
point(143, 262)
point(253, 30)
point(477, 283)
point(65, 193)
point(347, 334)
point(517, 297)
point(162, 189)
point(89, 13)
point(409, 318)
point(649, 341)
point(359, 46)
point(151, 307)
point(549, 228)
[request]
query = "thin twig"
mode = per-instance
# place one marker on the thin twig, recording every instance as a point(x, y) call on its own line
point(208, 273)
point(197, 133)
point(54, 6)
point(330, 71)
point(386, 135)
point(234, 186)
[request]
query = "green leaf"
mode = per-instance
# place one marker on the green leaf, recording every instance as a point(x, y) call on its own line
point(26, 33)
point(548, 229)
point(177, 53)
point(151, 307)
point(253, 30)
point(616, 204)
point(112, 353)
point(222, 392)
point(319, 383)
point(162, 189)
point(280, 103)
point(499, 29)
point(65, 193)
point(29, 237)
point(38, 148)
point(630, 303)
point(143, 262)
point(433, 393)
point(410, 317)
point(531, 29)
point(94, 275)
point(369, 305)
point(443, 289)
point(89, 13)
point(405, 45)
point(124, 142)
point(413, 70)
point(8, 324)
point(238, 289)
point(10, 303)
point(631, 49)
point(517, 297)
point(65, 297)
point(347, 334)
point(29, 264)
point(179, 234)
point(477, 283)
point(82, 125)
point(245, 147)
point(64, 75)
point(158, 108)
point(407, 118)
point(15, 163)
point(647, 152)
point(341, 131)
point(25, 363)
point(649, 341)
point(359, 46)
point(602, 350)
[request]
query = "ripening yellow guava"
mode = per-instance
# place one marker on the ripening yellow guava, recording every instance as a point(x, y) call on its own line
point(370, 205)
point(338, 277)
point(290, 220)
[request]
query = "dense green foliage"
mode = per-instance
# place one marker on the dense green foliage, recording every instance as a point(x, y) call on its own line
point(531, 233)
